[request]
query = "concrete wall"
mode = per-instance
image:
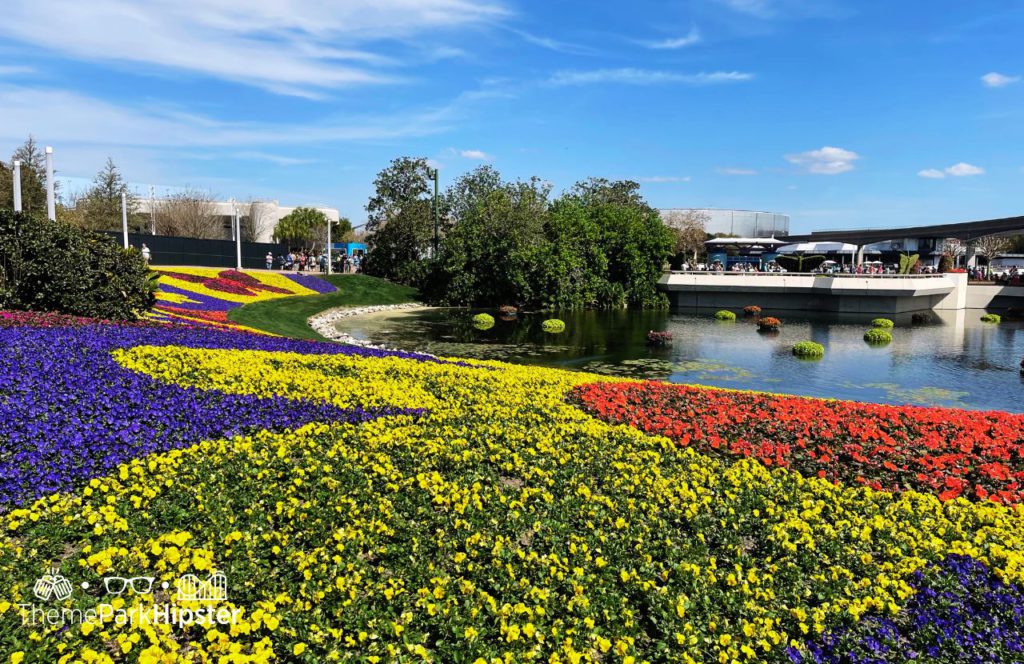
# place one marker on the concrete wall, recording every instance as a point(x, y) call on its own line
point(995, 297)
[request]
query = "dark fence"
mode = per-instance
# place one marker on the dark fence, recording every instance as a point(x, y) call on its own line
point(168, 250)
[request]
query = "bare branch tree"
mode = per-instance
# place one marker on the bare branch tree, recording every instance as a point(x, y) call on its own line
point(991, 246)
point(689, 227)
point(256, 220)
point(189, 213)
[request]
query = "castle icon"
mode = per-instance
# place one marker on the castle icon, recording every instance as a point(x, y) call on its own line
point(191, 588)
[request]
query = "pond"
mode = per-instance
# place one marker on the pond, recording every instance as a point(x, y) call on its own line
point(952, 360)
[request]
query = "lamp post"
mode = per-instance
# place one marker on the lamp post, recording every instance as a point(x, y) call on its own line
point(51, 198)
point(330, 247)
point(432, 173)
point(238, 239)
point(124, 217)
point(17, 185)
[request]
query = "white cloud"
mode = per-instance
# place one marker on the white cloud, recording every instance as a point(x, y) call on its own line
point(959, 170)
point(963, 169)
point(737, 171)
point(280, 160)
point(665, 178)
point(997, 80)
point(759, 8)
point(693, 37)
point(826, 161)
point(632, 76)
point(286, 46)
point(15, 70)
point(551, 44)
point(475, 154)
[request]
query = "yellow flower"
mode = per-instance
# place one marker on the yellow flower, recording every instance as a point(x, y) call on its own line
point(298, 648)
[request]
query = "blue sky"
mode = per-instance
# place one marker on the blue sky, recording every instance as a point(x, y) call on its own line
point(841, 113)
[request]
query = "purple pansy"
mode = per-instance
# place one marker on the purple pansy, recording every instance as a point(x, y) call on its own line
point(311, 282)
point(69, 412)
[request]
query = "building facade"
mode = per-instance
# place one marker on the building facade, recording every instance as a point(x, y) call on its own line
point(738, 223)
point(268, 213)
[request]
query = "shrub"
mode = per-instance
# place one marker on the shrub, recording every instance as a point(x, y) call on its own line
point(752, 310)
point(877, 336)
point(553, 325)
point(991, 318)
point(725, 315)
point(769, 323)
point(53, 266)
point(483, 321)
point(808, 349)
point(882, 322)
point(659, 338)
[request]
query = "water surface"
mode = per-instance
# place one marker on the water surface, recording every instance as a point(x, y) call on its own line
point(955, 360)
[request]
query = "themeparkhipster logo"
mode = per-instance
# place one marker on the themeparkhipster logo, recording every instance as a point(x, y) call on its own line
point(53, 586)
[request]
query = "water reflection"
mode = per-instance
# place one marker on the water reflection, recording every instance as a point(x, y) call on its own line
point(951, 360)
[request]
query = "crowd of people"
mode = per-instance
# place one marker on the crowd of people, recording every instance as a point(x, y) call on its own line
point(301, 261)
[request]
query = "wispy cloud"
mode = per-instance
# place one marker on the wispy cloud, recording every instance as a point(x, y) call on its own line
point(16, 70)
point(691, 38)
point(958, 170)
point(737, 171)
point(996, 80)
point(280, 160)
point(787, 9)
point(825, 161)
point(552, 44)
point(631, 76)
point(475, 154)
point(298, 47)
point(759, 8)
point(664, 178)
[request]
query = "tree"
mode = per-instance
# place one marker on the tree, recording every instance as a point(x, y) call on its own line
point(469, 190)
point(255, 220)
point(99, 209)
point(303, 227)
point(189, 213)
point(689, 228)
point(399, 221)
point(600, 191)
point(991, 246)
point(33, 178)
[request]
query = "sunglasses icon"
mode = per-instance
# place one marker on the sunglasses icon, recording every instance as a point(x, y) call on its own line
point(140, 585)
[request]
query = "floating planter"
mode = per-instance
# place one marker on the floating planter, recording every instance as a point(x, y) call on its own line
point(553, 325)
point(877, 336)
point(659, 338)
point(508, 310)
point(883, 323)
point(725, 315)
point(769, 323)
point(483, 321)
point(808, 349)
point(752, 310)
point(991, 318)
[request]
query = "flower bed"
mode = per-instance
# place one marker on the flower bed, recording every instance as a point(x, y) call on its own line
point(373, 506)
point(950, 453)
point(205, 295)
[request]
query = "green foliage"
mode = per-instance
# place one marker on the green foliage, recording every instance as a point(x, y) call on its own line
point(483, 321)
point(808, 349)
point(877, 335)
point(883, 323)
point(302, 227)
point(599, 245)
point(725, 314)
point(53, 266)
point(992, 318)
point(33, 179)
point(553, 325)
point(907, 263)
point(400, 222)
point(945, 263)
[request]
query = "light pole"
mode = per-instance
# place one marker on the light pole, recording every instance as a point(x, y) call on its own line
point(432, 173)
point(330, 247)
point(238, 239)
point(124, 217)
point(17, 185)
point(51, 198)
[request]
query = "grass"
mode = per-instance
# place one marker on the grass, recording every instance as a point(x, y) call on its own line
point(287, 316)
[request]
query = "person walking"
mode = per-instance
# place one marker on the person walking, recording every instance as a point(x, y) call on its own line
point(146, 255)
point(270, 260)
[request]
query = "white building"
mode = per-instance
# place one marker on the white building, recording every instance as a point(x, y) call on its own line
point(270, 212)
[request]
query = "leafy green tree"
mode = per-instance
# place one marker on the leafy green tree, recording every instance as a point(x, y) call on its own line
point(571, 270)
point(399, 221)
point(101, 204)
point(33, 179)
point(303, 227)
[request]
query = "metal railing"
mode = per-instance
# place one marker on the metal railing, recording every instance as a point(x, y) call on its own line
point(839, 275)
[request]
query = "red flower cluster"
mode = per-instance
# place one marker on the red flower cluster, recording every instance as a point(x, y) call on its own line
point(228, 281)
point(769, 323)
point(51, 319)
point(945, 451)
point(208, 316)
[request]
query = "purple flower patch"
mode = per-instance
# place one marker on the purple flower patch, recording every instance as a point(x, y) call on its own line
point(69, 412)
point(962, 612)
point(311, 282)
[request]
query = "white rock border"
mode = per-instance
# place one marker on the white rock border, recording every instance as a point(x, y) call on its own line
point(323, 322)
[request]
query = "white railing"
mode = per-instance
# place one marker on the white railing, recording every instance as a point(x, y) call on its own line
point(841, 275)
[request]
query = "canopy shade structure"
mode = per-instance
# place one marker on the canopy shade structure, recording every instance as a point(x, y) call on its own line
point(818, 248)
point(762, 241)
